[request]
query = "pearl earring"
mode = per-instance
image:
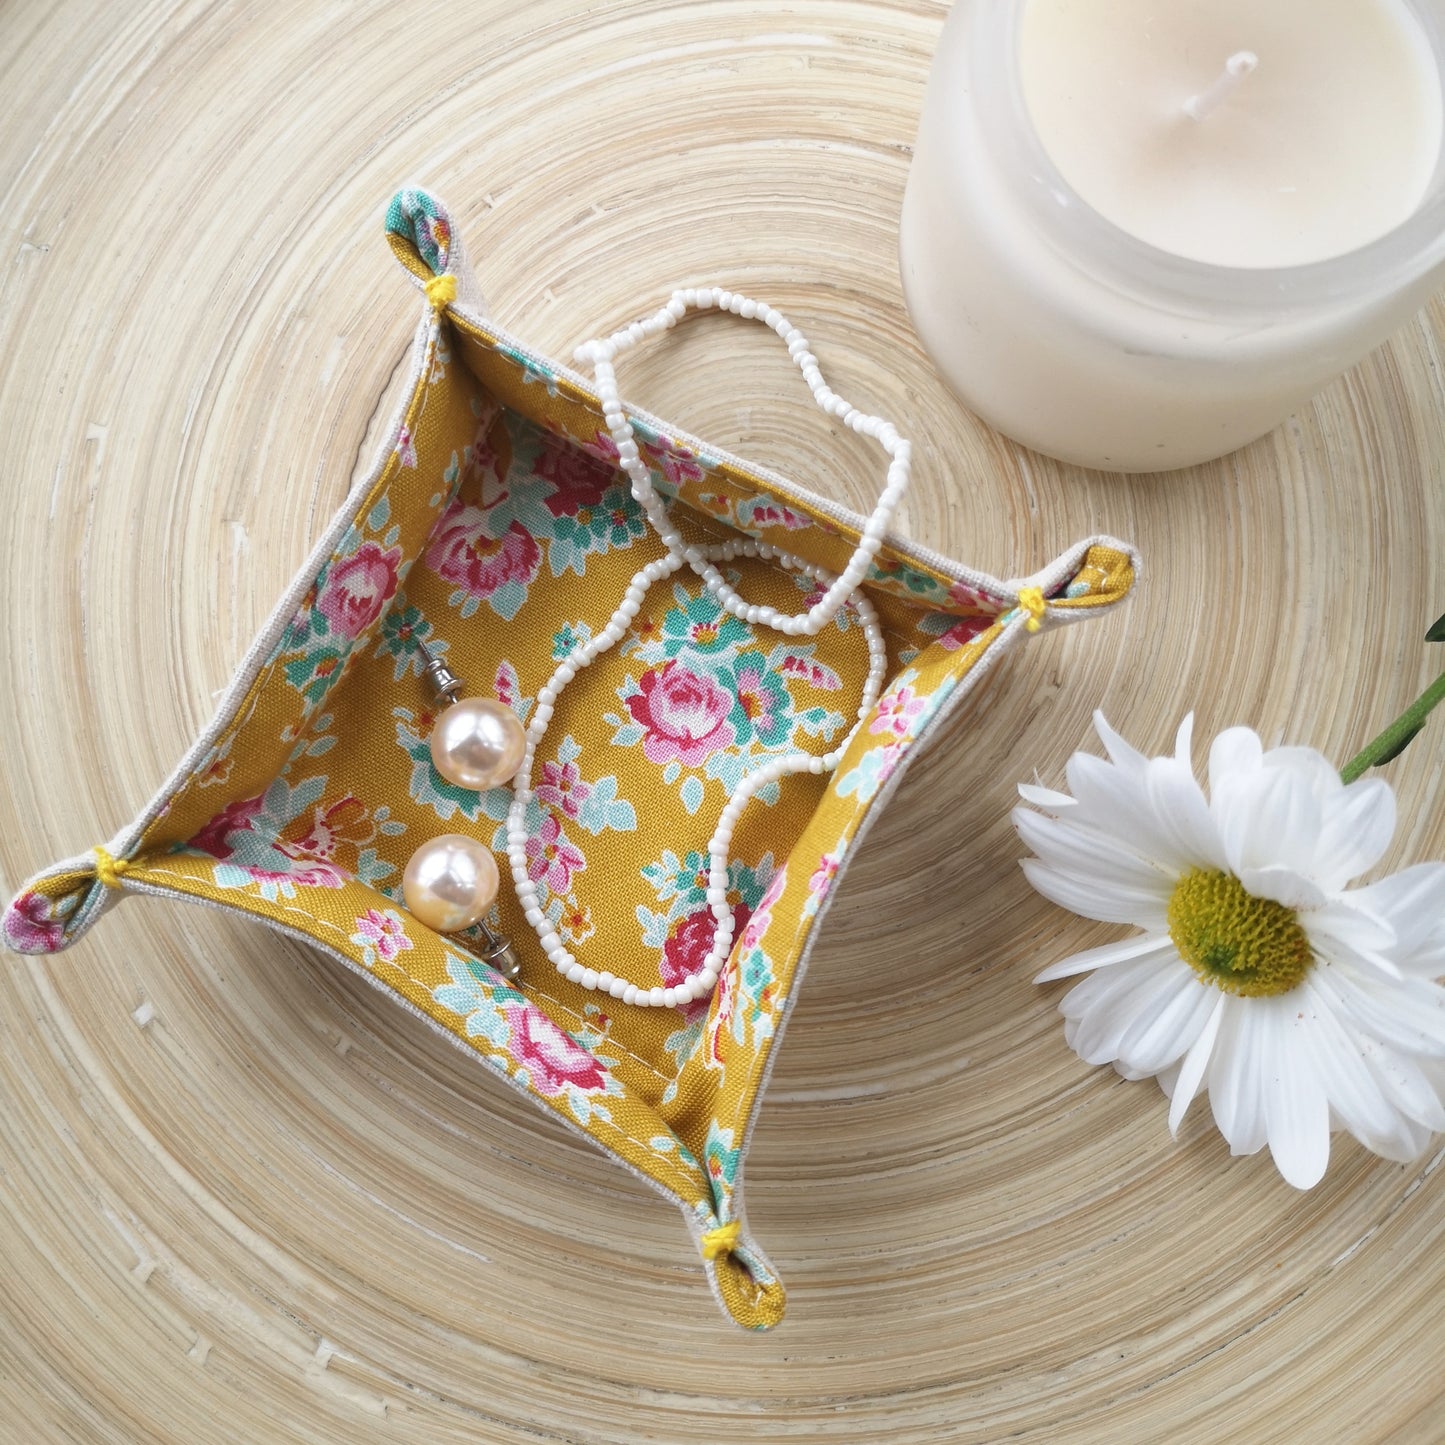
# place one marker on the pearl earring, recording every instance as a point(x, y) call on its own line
point(476, 743)
point(451, 881)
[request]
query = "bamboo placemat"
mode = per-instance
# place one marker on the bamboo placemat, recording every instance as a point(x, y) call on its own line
point(280, 1209)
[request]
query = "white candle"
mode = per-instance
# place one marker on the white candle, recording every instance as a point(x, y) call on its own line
point(1138, 233)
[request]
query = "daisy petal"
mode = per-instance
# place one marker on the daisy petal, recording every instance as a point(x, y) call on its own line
point(1163, 1032)
point(1062, 843)
point(1195, 1064)
point(1145, 945)
point(1183, 813)
point(1271, 819)
point(1412, 1091)
point(1358, 823)
point(1235, 751)
point(1343, 933)
point(1089, 898)
point(1049, 799)
point(1117, 802)
point(1104, 1006)
point(1123, 754)
point(1234, 1079)
point(1427, 960)
point(1411, 902)
point(1354, 1093)
point(1296, 1107)
point(1406, 1013)
point(1283, 885)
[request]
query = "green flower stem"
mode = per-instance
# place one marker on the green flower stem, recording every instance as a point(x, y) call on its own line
point(1389, 742)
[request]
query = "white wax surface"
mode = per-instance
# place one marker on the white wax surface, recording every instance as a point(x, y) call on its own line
point(1328, 145)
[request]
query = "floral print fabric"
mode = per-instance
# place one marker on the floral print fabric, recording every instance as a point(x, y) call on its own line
point(499, 532)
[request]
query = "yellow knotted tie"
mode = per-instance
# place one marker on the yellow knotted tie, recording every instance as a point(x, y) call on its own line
point(441, 291)
point(1031, 600)
point(720, 1241)
point(109, 869)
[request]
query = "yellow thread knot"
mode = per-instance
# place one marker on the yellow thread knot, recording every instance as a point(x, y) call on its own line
point(109, 869)
point(720, 1241)
point(441, 291)
point(1031, 599)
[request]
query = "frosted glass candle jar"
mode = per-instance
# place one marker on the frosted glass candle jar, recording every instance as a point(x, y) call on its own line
point(1081, 329)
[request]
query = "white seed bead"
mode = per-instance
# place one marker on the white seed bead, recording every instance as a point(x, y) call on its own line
point(629, 994)
point(655, 998)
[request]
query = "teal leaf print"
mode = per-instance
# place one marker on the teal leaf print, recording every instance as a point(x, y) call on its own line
point(699, 625)
point(721, 1158)
point(569, 637)
point(691, 793)
point(603, 810)
point(507, 600)
point(654, 926)
point(762, 706)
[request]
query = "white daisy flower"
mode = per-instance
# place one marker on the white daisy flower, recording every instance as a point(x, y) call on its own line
point(1301, 1006)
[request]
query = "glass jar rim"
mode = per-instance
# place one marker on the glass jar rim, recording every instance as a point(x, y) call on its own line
point(1380, 268)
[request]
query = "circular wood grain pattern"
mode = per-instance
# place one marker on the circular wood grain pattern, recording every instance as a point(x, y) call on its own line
point(282, 1209)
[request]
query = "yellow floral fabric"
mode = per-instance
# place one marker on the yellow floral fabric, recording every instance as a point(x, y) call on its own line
point(500, 532)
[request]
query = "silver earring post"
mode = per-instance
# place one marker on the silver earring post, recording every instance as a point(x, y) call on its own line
point(444, 683)
point(445, 686)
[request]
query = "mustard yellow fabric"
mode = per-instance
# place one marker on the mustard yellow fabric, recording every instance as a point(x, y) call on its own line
point(499, 531)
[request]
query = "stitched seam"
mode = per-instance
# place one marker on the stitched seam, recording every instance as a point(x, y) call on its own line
point(582, 1022)
point(152, 872)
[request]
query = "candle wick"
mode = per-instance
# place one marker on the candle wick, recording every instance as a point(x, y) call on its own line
point(1236, 68)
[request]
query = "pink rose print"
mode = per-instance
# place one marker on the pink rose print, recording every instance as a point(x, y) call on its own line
point(964, 631)
point(31, 925)
point(686, 950)
point(310, 875)
point(722, 1016)
point(960, 594)
point(580, 479)
point(553, 1059)
point(603, 448)
point(382, 930)
point(775, 514)
point(675, 461)
point(358, 588)
point(823, 875)
point(232, 818)
point(551, 859)
point(684, 714)
point(562, 787)
point(896, 712)
point(406, 448)
point(462, 552)
point(758, 924)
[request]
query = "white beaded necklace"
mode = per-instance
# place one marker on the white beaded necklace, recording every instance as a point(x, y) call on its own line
point(837, 591)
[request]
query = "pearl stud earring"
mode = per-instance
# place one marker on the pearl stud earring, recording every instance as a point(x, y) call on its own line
point(476, 743)
point(451, 881)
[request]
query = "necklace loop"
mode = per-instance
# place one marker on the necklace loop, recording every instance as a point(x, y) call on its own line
point(837, 591)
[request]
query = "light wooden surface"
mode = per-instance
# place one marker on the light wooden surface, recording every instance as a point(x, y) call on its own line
point(285, 1211)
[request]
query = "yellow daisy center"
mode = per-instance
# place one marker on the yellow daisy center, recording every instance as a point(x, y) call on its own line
point(1245, 945)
